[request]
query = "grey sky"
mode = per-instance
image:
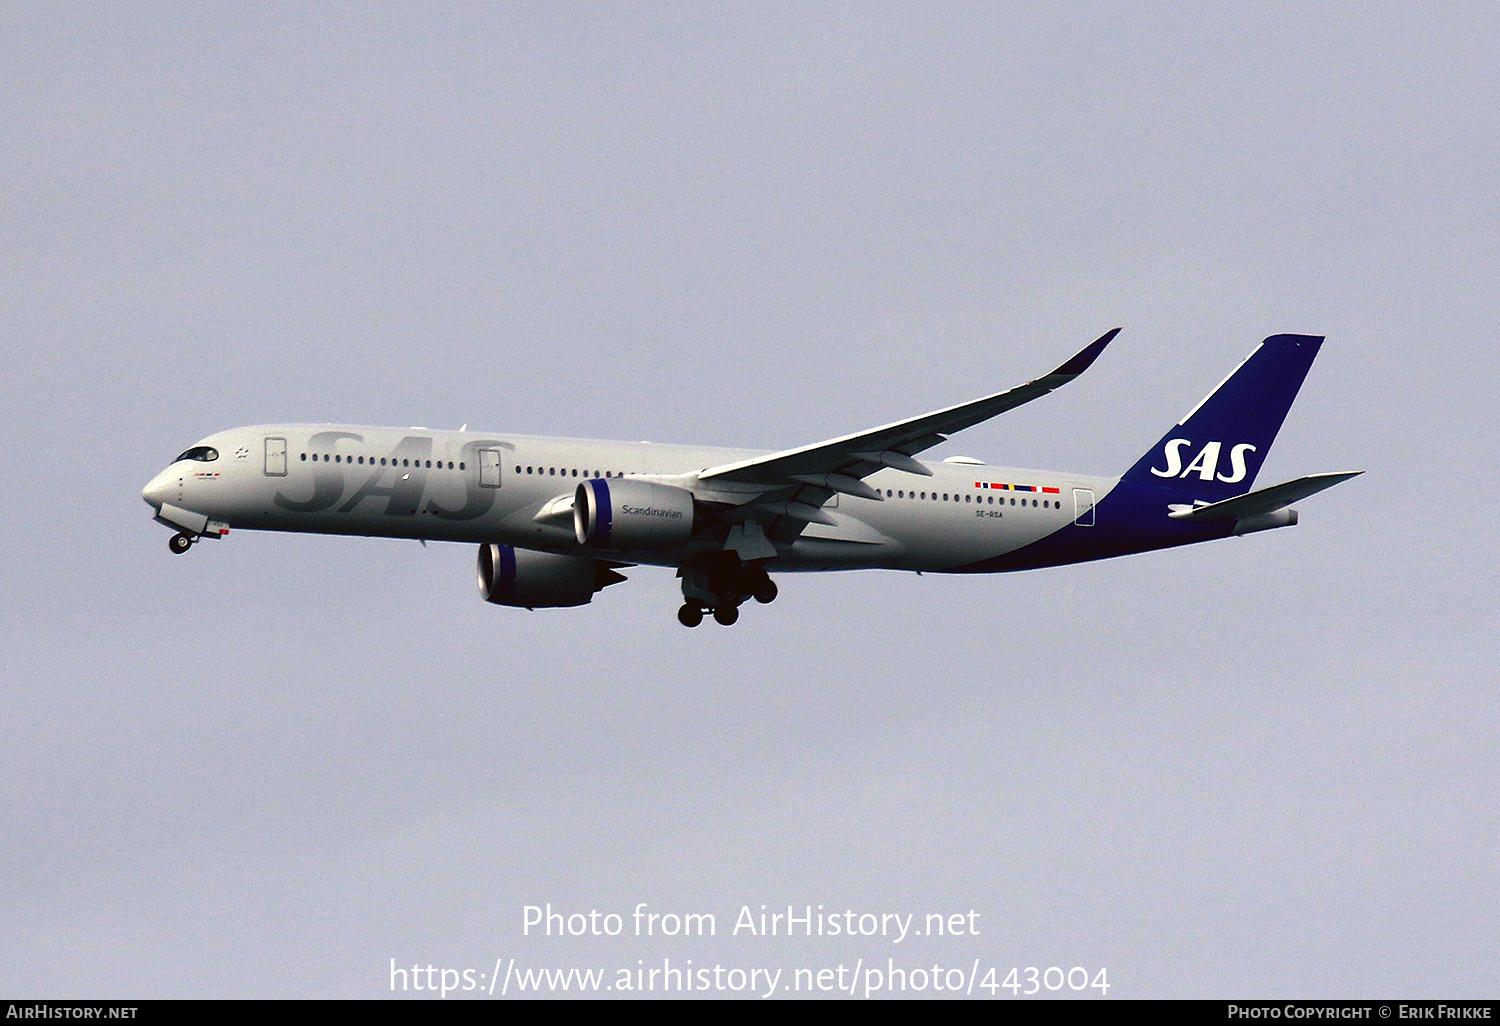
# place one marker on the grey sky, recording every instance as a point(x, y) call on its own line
point(1263, 766)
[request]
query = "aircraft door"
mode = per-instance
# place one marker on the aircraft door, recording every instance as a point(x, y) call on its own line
point(489, 468)
point(1083, 507)
point(276, 457)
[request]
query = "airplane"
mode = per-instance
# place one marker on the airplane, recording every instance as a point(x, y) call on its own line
point(556, 519)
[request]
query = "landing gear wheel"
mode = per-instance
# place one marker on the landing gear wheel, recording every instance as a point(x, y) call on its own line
point(766, 591)
point(726, 615)
point(689, 615)
point(181, 542)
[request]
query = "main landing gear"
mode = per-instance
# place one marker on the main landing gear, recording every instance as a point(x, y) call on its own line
point(181, 542)
point(719, 585)
point(690, 614)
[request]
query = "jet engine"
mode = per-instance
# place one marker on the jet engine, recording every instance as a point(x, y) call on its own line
point(519, 577)
point(621, 514)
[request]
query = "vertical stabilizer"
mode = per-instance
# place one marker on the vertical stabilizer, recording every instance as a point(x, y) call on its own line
point(1215, 451)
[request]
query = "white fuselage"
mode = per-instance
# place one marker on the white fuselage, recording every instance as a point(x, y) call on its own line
point(518, 490)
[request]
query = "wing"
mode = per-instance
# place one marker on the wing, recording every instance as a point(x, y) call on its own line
point(785, 490)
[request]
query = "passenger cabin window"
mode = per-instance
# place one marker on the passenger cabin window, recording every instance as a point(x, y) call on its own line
point(201, 453)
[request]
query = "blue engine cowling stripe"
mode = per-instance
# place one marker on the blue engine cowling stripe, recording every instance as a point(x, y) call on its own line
point(601, 524)
point(505, 572)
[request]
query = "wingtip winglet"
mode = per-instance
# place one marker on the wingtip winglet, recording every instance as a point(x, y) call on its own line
point(1081, 362)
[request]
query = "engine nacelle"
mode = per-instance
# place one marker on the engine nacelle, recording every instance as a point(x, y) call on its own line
point(621, 514)
point(520, 577)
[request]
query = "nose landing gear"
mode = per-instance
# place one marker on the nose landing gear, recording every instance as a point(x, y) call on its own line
point(181, 542)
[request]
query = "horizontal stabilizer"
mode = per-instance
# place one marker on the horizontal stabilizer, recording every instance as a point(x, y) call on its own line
point(1265, 500)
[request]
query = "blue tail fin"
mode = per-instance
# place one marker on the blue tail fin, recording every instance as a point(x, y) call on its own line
point(1215, 451)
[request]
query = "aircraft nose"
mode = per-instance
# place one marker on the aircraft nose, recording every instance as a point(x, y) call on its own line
point(155, 493)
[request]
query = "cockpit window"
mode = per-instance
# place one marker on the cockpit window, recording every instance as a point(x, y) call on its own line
point(201, 453)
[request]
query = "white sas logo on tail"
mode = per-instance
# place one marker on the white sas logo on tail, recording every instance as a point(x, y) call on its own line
point(1206, 463)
